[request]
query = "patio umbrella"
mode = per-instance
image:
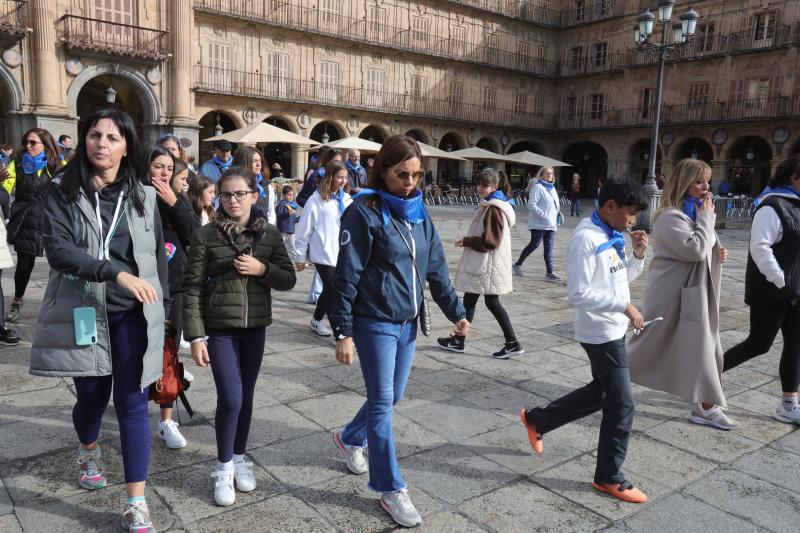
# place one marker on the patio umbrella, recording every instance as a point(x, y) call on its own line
point(262, 133)
point(354, 143)
point(429, 151)
point(529, 158)
point(479, 154)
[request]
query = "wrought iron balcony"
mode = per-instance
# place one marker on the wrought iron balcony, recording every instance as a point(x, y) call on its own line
point(520, 9)
point(592, 64)
point(13, 22)
point(256, 85)
point(286, 15)
point(760, 38)
point(586, 11)
point(104, 37)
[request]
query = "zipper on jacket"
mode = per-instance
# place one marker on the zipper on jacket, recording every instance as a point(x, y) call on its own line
point(246, 302)
point(413, 268)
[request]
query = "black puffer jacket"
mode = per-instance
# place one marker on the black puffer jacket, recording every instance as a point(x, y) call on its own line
point(179, 225)
point(215, 295)
point(25, 219)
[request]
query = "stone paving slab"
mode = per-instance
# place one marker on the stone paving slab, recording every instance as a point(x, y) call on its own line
point(460, 444)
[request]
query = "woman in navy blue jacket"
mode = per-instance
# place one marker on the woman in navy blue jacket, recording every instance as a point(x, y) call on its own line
point(375, 303)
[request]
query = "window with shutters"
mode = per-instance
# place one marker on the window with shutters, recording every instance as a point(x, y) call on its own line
point(455, 92)
point(645, 102)
point(489, 98)
point(328, 9)
point(597, 106)
point(600, 54)
point(375, 22)
point(521, 103)
point(538, 105)
point(576, 58)
point(571, 107)
point(329, 80)
point(420, 31)
point(580, 10)
point(704, 38)
point(492, 47)
point(458, 40)
point(764, 29)
point(220, 61)
point(756, 89)
point(698, 94)
point(278, 74)
point(119, 11)
point(524, 50)
point(418, 87)
point(376, 81)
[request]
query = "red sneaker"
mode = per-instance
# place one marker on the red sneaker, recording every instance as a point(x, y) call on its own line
point(534, 437)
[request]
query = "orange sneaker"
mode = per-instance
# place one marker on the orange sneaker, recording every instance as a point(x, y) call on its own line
point(625, 491)
point(534, 437)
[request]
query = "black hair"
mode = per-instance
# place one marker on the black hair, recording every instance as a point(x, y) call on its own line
point(625, 192)
point(78, 172)
point(62, 137)
point(785, 172)
point(492, 176)
point(286, 190)
point(238, 172)
point(157, 151)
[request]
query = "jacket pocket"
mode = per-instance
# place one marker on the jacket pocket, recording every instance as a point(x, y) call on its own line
point(692, 304)
point(476, 263)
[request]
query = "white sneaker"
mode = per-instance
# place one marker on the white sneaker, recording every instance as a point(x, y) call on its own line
point(319, 327)
point(787, 415)
point(224, 495)
point(243, 476)
point(713, 417)
point(185, 345)
point(353, 455)
point(188, 376)
point(168, 432)
point(399, 505)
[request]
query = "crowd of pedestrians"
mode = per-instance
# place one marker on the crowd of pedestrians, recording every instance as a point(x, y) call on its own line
point(143, 250)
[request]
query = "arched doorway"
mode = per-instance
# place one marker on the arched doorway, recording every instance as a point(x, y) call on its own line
point(208, 128)
point(418, 135)
point(486, 143)
point(448, 169)
point(280, 153)
point(639, 160)
point(589, 160)
point(325, 132)
point(520, 175)
point(748, 165)
point(373, 133)
point(10, 101)
point(795, 151)
point(96, 93)
point(695, 148)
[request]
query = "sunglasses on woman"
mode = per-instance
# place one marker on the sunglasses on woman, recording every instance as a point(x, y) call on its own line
point(31, 142)
point(403, 175)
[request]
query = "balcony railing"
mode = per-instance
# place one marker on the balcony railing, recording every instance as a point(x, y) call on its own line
point(588, 11)
point(104, 37)
point(13, 21)
point(302, 18)
point(256, 85)
point(760, 38)
point(521, 9)
point(592, 64)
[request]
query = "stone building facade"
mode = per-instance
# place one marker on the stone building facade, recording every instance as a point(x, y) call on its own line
point(556, 77)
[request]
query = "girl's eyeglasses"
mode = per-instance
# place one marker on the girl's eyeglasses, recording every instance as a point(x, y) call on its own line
point(226, 196)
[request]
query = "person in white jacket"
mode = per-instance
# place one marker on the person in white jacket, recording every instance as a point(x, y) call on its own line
point(543, 218)
point(317, 235)
point(598, 274)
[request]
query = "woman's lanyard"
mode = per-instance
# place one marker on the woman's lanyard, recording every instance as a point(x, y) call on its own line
point(106, 241)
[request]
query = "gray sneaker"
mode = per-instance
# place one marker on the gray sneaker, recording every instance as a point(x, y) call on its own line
point(136, 519)
point(552, 277)
point(787, 415)
point(14, 311)
point(399, 505)
point(713, 417)
point(354, 456)
point(517, 270)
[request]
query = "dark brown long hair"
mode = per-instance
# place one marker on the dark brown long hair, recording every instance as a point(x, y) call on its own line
point(326, 184)
point(197, 187)
point(243, 157)
point(492, 176)
point(51, 150)
point(395, 150)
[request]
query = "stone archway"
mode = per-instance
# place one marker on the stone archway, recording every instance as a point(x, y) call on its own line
point(639, 160)
point(10, 104)
point(374, 133)
point(419, 135)
point(330, 128)
point(280, 153)
point(520, 175)
point(449, 170)
point(208, 123)
point(695, 148)
point(589, 160)
point(749, 165)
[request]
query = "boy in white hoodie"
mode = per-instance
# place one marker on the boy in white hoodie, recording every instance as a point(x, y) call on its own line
point(598, 274)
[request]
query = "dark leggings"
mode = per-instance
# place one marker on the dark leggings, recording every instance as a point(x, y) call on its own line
point(496, 308)
point(23, 273)
point(2, 302)
point(128, 343)
point(326, 276)
point(537, 236)
point(235, 355)
point(765, 321)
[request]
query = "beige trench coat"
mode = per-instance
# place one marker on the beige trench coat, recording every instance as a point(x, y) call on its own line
point(682, 355)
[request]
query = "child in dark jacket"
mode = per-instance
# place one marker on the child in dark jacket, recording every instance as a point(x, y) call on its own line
point(286, 216)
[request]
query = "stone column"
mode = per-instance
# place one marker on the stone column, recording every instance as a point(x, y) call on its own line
point(47, 97)
point(299, 161)
point(180, 64)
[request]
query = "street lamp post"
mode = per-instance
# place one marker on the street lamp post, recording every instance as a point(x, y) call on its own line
point(682, 34)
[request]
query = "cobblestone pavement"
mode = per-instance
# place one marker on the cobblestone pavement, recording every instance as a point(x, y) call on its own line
point(460, 443)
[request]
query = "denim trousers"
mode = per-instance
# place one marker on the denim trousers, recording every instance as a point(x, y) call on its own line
point(385, 353)
point(537, 236)
point(610, 390)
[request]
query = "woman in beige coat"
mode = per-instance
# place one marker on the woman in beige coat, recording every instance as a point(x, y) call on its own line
point(682, 355)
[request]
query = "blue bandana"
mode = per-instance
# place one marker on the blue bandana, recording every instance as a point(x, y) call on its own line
point(546, 184)
point(353, 167)
point(262, 192)
point(62, 153)
point(775, 190)
point(407, 209)
point(32, 165)
point(222, 165)
point(690, 206)
point(615, 239)
point(500, 195)
point(339, 197)
point(292, 205)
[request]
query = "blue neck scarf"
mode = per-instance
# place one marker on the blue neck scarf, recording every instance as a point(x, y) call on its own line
point(615, 239)
point(353, 167)
point(222, 165)
point(500, 195)
point(410, 210)
point(547, 185)
point(291, 204)
point(32, 165)
point(690, 206)
point(775, 190)
point(262, 192)
point(339, 197)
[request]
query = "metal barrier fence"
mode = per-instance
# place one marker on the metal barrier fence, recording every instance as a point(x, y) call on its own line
point(734, 211)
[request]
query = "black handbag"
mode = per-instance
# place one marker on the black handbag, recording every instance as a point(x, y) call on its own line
point(424, 311)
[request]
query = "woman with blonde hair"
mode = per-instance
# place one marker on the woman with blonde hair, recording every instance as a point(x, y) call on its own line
point(682, 355)
point(543, 216)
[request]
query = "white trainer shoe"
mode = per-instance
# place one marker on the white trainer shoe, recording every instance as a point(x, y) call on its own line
point(399, 505)
point(354, 456)
point(224, 495)
point(319, 327)
point(713, 417)
point(168, 432)
point(791, 416)
point(243, 476)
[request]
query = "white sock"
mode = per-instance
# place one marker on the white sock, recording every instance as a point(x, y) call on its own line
point(708, 411)
point(238, 458)
point(224, 467)
point(790, 402)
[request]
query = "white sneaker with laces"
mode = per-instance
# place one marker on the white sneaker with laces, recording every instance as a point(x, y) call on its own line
point(353, 455)
point(399, 505)
point(713, 417)
point(319, 327)
point(168, 432)
point(243, 476)
point(791, 416)
point(224, 495)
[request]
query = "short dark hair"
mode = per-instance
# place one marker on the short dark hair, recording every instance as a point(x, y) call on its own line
point(286, 190)
point(785, 172)
point(62, 137)
point(625, 192)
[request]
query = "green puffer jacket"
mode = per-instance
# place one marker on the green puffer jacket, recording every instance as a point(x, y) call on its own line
point(218, 297)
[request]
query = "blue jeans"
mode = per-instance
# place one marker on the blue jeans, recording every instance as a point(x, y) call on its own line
point(575, 207)
point(537, 235)
point(385, 352)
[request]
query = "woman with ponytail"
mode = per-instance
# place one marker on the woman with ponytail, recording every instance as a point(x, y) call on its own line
point(485, 266)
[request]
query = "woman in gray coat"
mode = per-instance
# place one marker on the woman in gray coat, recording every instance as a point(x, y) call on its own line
point(102, 317)
point(682, 353)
